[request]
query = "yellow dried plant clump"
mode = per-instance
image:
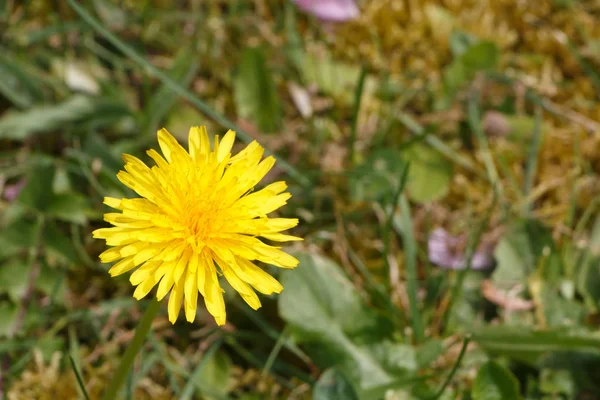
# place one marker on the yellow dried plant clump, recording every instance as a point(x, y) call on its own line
point(197, 219)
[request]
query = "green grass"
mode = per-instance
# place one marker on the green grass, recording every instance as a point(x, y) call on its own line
point(385, 156)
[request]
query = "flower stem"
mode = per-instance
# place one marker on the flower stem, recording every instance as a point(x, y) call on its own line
point(134, 347)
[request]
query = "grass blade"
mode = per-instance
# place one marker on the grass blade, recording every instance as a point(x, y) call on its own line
point(532, 157)
point(357, 100)
point(463, 350)
point(79, 378)
point(475, 124)
point(410, 261)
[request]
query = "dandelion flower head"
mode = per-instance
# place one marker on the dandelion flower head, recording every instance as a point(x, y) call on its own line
point(198, 218)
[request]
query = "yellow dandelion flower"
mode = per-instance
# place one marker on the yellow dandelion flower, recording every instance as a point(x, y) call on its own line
point(197, 219)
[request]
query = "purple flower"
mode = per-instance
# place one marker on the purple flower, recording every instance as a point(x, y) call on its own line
point(330, 10)
point(11, 192)
point(442, 251)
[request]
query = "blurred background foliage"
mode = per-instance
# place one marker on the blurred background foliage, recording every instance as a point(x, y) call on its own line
point(443, 156)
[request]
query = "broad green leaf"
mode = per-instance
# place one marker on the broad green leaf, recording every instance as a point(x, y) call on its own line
point(460, 42)
point(8, 316)
point(429, 351)
point(51, 281)
point(38, 194)
point(429, 175)
point(471, 56)
point(519, 251)
point(16, 85)
point(378, 177)
point(69, 207)
point(572, 371)
point(481, 56)
point(46, 118)
point(552, 308)
point(396, 357)
point(334, 78)
point(333, 385)
point(16, 237)
point(216, 374)
point(524, 344)
point(326, 312)
point(38, 191)
point(61, 182)
point(588, 281)
point(557, 382)
point(14, 278)
point(58, 245)
point(495, 382)
point(255, 92)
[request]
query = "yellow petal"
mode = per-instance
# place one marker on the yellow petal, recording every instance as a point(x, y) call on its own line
point(175, 301)
point(191, 295)
point(242, 288)
point(122, 266)
point(225, 145)
point(169, 146)
point(110, 255)
point(112, 202)
point(143, 272)
point(181, 265)
point(167, 281)
point(271, 255)
point(213, 297)
point(158, 159)
point(280, 237)
point(146, 285)
point(259, 279)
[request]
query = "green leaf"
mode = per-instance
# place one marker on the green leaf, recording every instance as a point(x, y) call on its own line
point(255, 92)
point(552, 308)
point(429, 175)
point(429, 351)
point(58, 245)
point(51, 281)
point(14, 277)
point(69, 207)
point(16, 237)
point(216, 374)
point(460, 42)
point(396, 357)
point(557, 382)
point(572, 371)
point(325, 312)
point(335, 78)
point(524, 344)
point(8, 316)
point(38, 194)
point(38, 190)
point(61, 183)
point(16, 85)
point(495, 382)
point(519, 251)
point(481, 56)
point(46, 118)
point(377, 177)
point(470, 57)
point(333, 385)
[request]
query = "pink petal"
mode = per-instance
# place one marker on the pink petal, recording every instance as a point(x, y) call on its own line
point(11, 192)
point(439, 252)
point(330, 10)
